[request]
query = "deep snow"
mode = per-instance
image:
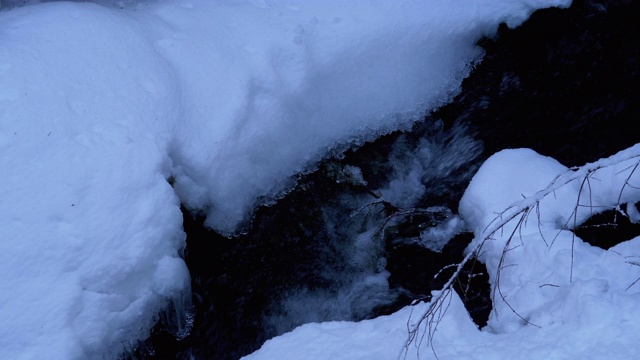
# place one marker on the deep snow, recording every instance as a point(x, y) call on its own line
point(102, 107)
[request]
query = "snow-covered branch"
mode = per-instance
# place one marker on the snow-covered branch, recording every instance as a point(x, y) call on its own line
point(608, 183)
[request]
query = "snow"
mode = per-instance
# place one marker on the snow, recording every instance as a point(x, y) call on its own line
point(90, 227)
point(316, 80)
point(101, 106)
point(556, 296)
point(436, 237)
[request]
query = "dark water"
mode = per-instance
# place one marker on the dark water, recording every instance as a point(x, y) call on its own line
point(565, 84)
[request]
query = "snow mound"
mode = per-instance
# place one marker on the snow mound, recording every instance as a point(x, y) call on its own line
point(556, 296)
point(91, 230)
point(545, 266)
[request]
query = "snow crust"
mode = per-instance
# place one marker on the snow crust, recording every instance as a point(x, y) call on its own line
point(557, 297)
point(100, 106)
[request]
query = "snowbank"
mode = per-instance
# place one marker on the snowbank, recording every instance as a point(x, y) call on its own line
point(100, 106)
point(557, 297)
point(268, 88)
point(90, 227)
point(545, 265)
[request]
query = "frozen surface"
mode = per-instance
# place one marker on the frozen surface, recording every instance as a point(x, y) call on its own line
point(101, 105)
point(563, 308)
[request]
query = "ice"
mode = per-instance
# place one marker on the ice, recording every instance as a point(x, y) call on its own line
point(101, 106)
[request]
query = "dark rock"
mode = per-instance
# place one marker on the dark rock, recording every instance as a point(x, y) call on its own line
point(420, 270)
point(608, 229)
